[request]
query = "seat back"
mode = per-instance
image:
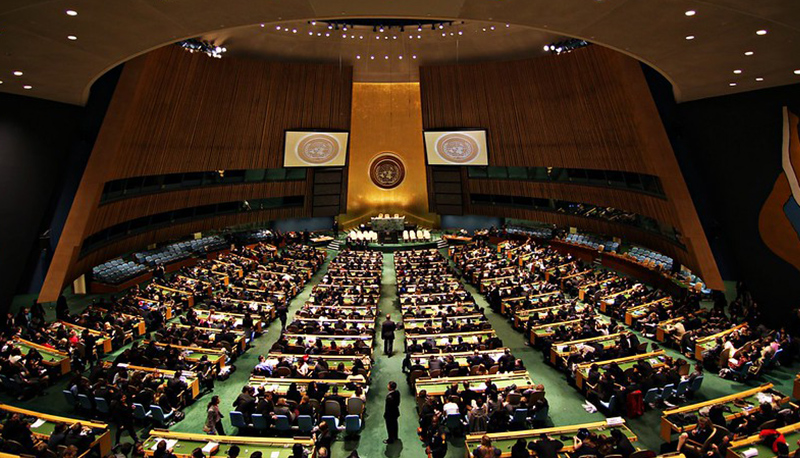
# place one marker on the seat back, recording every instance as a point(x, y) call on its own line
point(158, 414)
point(520, 416)
point(283, 371)
point(237, 419)
point(355, 406)
point(282, 423)
point(305, 423)
point(514, 398)
point(259, 421)
point(86, 403)
point(651, 396)
point(540, 416)
point(332, 408)
point(352, 424)
point(696, 384)
point(683, 387)
point(70, 398)
point(453, 422)
point(668, 391)
point(333, 422)
point(102, 405)
point(138, 412)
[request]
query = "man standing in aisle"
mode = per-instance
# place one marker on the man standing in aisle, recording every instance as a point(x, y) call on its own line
point(387, 334)
point(391, 413)
point(282, 312)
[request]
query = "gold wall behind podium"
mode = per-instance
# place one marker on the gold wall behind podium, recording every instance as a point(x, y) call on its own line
point(387, 118)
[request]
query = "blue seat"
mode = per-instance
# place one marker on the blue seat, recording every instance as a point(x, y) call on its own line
point(159, 416)
point(85, 402)
point(352, 424)
point(667, 392)
point(540, 416)
point(610, 406)
point(683, 388)
point(332, 421)
point(696, 384)
point(454, 423)
point(70, 398)
point(237, 419)
point(743, 373)
point(305, 423)
point(520, 418)
point(282, 423)
point(651, 397)
point(102, 405)
point(139, 413)
point(259, 422)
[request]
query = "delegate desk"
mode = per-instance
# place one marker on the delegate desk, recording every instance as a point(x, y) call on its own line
point(237, 318)
point(183, 444)
point(654, 358)
point(411, 325)
point(438, 386)
point(738, 403)
point(191, 379)
point(194, 354)
point(504, 441)
point(281, 385)
point(542, 331)
point(47, 423)
point(459, 356)
point(52, 358)
point(171, 293)
point(103, 340)
point(443, 339)
point(543, 298)
point(790, 432)
point(152, 303)
point(341, 341)
point(263, 308)
point(239, 342)
point(332, 360)
point(639, 311)
point(521, 317)
point(708, 342)
point(559, 352)
point(138, 327)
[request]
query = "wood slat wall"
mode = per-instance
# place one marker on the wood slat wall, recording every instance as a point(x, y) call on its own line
point(588, 109)
point(179, 112)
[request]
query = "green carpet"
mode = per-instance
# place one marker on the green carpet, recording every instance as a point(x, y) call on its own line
point(565, 401)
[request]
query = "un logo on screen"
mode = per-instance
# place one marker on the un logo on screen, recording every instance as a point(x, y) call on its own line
point(457, 148)
point(318, 148)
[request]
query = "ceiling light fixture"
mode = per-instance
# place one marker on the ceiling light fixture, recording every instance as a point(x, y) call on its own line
point(18, 73)
point(731, 84)
point(194, 45)
point(358, 57)
point(414, 56)
point(749, 53)
point(72, 37)
point(262, 26)
point(797, 72)
point(690, 37)
point(690, 13)
point(72, 13)
point(27, 86)
point(759, 79)
point(761, 32)
point(737, 72)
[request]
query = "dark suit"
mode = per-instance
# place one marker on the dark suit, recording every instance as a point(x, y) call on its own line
point(387, 334)
point(391, 413)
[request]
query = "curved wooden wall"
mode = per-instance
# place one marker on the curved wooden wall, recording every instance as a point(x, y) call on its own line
point(179, 112)
point(588, 109)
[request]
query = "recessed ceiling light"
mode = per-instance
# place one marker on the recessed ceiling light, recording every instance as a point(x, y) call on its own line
point(27, 86)
point(731, 84)
point(690, 37)
point(492, 27)
point(277, 27)
point(508, 25)
point(749, 53)
point(72, 37)
point(294, 30)
point(17, 73)
point(262, 26)
point(690, 13)
point(737, 72)
point(414, 56)
point(311, 33)
point(400, 57)
point(72, 13)
point(372, 57)
point(761, 32)
point(386, 57)
point(797, 72)
point(358, 57)
point(759, 79)
point(1, 82)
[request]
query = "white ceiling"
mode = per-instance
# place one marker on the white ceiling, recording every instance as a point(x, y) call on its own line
point(33, 35)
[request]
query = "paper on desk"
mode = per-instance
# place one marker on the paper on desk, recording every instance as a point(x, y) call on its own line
point(275, 455)
point(210, 447)
point(170, 443)
point(750, 452)
point(37, 423)
point(614, 421)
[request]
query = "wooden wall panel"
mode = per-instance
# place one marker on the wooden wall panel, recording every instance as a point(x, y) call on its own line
point(128, 209)
point(589, 109)
point(177, 112)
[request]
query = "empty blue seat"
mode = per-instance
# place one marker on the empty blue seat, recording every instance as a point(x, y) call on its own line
point(259, 422)
point(352, 424)
point(332, 421)
point(159, 416)
point(651, 397)
point(696, 384)
point(305, 423)
point(102, 405)
point(282, 423)
point(85, 402)
point(70, 398)
point(237, 419)
point(139, 413)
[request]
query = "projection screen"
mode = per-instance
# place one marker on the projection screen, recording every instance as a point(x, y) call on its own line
point(315, 149)
point(463, 147)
